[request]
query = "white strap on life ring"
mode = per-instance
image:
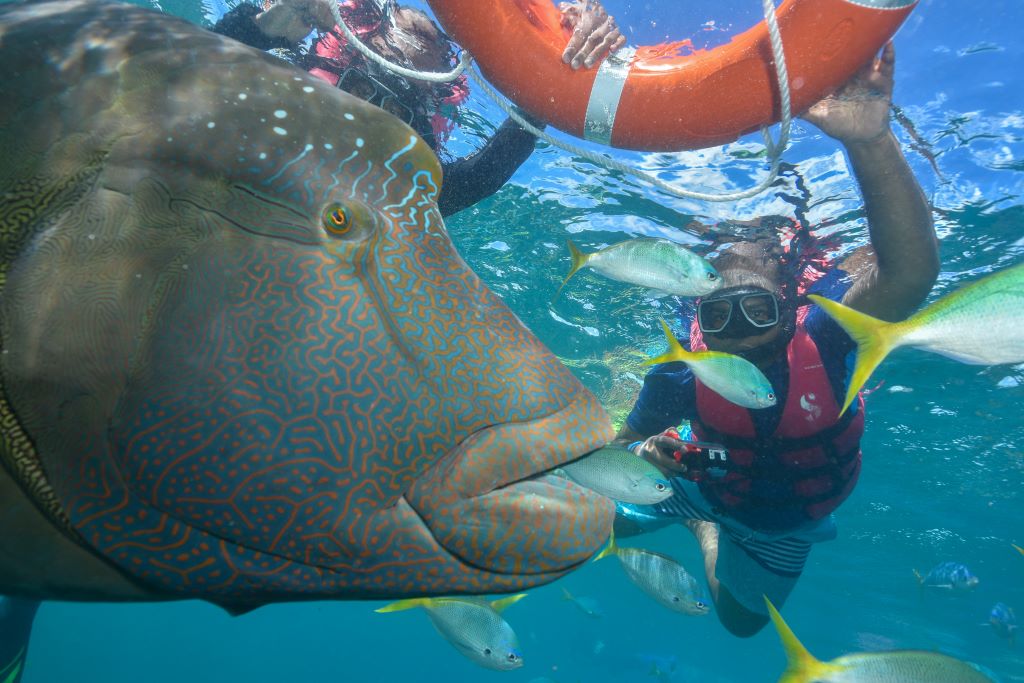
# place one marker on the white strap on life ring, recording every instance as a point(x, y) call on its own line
point(605, 96)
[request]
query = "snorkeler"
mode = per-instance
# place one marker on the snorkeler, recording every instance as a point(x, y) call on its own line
point(792, 464)
point(409, 37)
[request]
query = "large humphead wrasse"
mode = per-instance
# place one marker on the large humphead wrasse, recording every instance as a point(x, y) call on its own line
point(241, 359)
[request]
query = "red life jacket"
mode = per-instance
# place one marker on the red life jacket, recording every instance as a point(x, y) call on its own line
point(805, 468)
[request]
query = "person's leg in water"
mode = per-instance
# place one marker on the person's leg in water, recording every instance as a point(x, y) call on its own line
point(741, 568)
point(744, 567)
point(16, 616)
point(736, 618)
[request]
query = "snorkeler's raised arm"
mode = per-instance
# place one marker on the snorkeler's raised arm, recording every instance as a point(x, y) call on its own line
point(906, 257)
point(481, 174)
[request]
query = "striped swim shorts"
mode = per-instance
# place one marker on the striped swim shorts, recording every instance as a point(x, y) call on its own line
point(750, 563)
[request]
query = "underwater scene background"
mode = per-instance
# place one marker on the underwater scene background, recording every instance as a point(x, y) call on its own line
point(943, 452)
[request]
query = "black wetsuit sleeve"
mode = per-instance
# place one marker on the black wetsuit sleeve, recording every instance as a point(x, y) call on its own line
point(481, 174)
point(240, 24)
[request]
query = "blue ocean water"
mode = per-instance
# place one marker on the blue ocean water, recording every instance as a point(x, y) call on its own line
point(944, 448)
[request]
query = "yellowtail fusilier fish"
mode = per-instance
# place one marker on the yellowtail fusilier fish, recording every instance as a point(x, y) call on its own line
point(618, 474)
point(473, 625)
point(649, 262)
point(981, 324)
point(898, 666)
point(1019, 549)
point(661, 577)
point(733, 378)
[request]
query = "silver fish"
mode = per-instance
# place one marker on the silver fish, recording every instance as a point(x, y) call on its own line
point(661, 577)
point(900, 666)
point(620, 475)
point(473, 626)
point(649, 262)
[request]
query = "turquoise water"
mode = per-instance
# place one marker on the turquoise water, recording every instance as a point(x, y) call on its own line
point(944, 448)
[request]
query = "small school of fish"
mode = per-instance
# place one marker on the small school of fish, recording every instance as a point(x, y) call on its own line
point(733, 378)
point(473, 626)
point(981, 323)
point(898, 666)
point(660, 577)
point(952, 578)
point(651, 262)
point(619, 474)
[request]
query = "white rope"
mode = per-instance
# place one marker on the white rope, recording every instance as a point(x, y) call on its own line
point(431, 76)
point(774, 148)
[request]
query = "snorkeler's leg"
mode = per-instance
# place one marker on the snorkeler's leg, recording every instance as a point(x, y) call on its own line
point(16, 616)
point(736, 618)
point(748, 567)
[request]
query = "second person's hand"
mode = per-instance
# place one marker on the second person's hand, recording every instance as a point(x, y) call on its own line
point(293, 20)
point(858, 112)
point(594, 35)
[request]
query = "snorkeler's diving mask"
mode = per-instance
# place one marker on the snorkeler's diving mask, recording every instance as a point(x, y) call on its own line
point(736, 312)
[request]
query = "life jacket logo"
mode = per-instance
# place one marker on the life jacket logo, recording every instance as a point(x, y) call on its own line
point(813, 410)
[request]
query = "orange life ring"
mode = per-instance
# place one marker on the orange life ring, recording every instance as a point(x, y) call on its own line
point(659, 103)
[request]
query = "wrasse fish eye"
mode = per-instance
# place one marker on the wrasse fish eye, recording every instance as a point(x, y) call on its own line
point(337, 221)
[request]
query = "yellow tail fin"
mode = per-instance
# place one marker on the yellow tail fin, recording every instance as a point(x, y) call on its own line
point(1019, 549)
point(411, 603)
point(675, 349)
point(566, 595)
point(801, 665)
point(502, 604)
point(610, 549)
point(875, 339)
point(579, 259)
